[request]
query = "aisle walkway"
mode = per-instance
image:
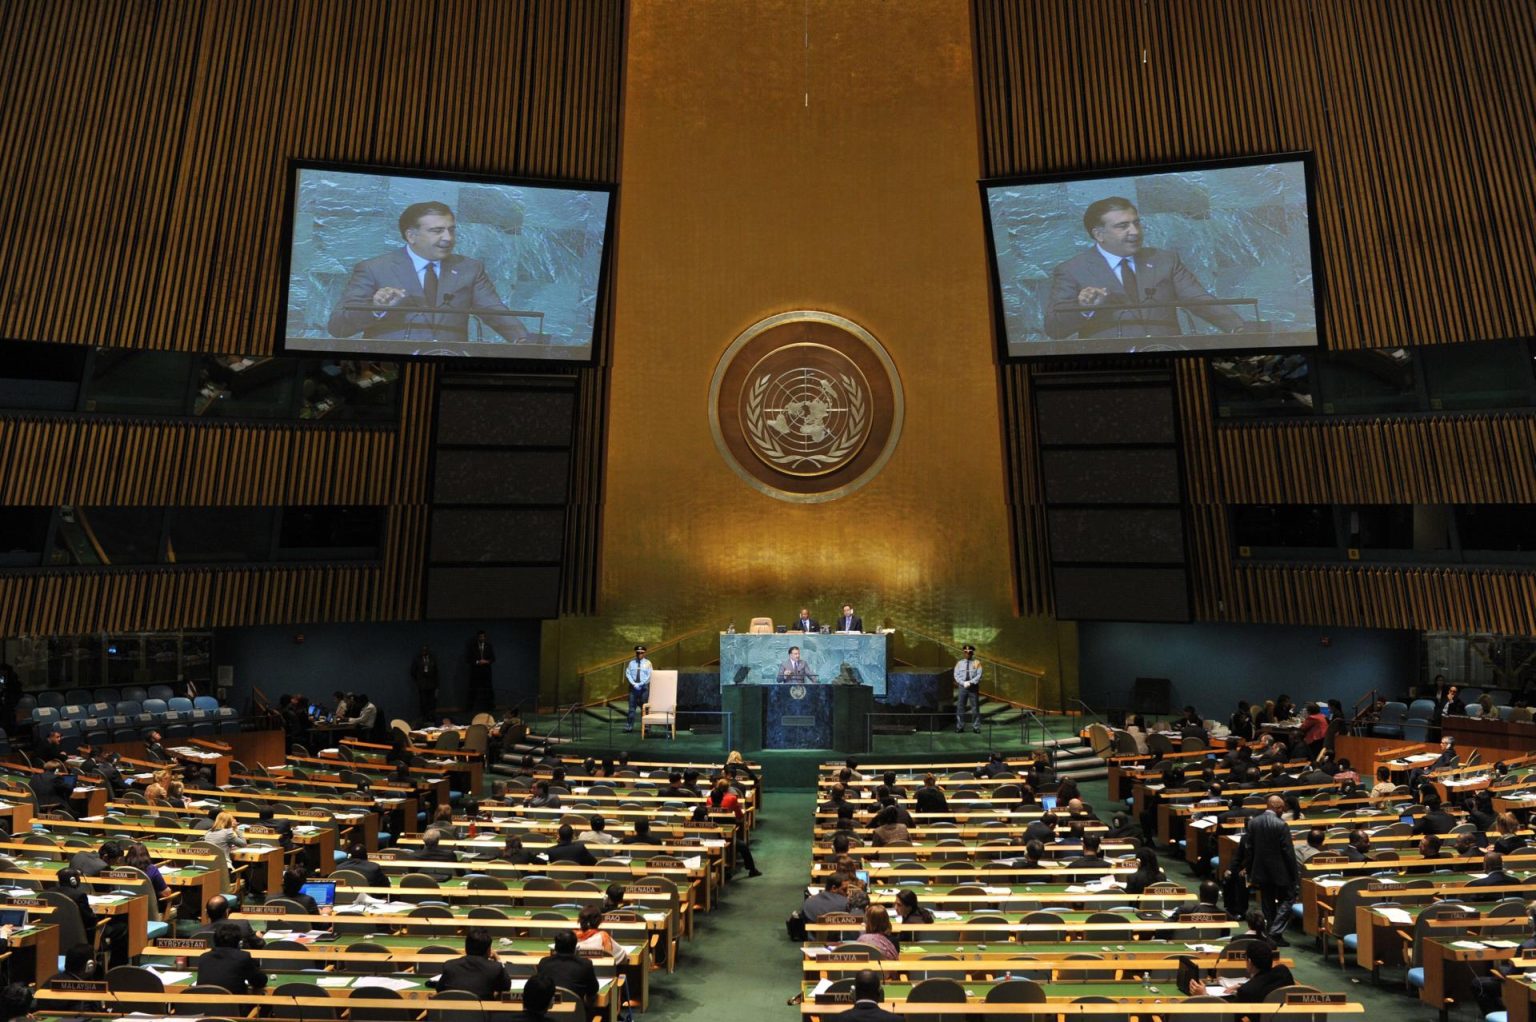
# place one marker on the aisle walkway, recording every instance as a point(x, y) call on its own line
point(739, 964)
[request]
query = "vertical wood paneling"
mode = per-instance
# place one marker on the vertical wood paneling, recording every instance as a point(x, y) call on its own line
point(152, 137)
point(1420, 165)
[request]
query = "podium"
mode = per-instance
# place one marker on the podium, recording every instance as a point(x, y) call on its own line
point(782, 716)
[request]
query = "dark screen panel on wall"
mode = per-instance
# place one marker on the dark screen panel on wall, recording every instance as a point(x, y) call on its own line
point(1195, 257)
point(407, 264)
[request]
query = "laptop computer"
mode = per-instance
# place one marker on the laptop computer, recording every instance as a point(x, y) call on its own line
point(1048, 802)
point(323, 891)
point(13, 917)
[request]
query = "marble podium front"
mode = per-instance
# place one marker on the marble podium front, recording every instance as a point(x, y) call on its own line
point(799, 716)
point(747, 659)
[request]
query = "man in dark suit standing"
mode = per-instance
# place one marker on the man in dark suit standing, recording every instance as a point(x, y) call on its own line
point(478, 972)
point(850, 622)
point(1269, 861)
point(229, 965)
point(480, 655)
point(867, 994)
point(425, 675)
point(1100, 292)
point(422, 292)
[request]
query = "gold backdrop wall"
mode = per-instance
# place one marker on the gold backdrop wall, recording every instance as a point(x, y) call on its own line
point(761, 174)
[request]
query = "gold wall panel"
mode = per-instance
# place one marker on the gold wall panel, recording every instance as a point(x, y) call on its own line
point(761, 176)
point(151, 138)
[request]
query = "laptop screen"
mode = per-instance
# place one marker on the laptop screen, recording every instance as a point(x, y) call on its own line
point(1048, 802)
point(13, 917)
point(323, 891)
point(1406, 818)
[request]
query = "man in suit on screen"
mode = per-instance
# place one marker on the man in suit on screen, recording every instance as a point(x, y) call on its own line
point(1104, 291)
point(422, 291)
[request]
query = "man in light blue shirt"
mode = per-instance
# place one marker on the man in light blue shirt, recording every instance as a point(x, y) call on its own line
point(638, 673)
point(967, 686)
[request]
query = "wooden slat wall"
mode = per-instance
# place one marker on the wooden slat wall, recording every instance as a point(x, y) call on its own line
point(1421, 161)
point(150, 140)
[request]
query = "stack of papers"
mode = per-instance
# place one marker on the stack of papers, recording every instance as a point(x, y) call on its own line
point(1396, 915)
point(169, 976)
point(387, 982)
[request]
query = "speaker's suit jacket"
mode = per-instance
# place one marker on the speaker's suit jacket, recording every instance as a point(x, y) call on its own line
point(1160, 276)
point(462, 285)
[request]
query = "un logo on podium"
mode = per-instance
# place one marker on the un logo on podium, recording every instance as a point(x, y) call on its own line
point(806, 406)
point(797, 692)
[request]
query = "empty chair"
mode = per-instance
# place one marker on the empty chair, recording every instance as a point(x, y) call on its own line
point(318, 1013)
point(129, 707)
point(179, 704)
point(376, 1014)
point(161, 692)
point(204, 703)
point(98, 709)
point(52, 700)
point(1390, 723)
point(134, 692)
point(134, 980)
point(77, 695)
point(155, 707)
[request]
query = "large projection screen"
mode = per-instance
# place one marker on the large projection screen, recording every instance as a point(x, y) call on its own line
point(1199, 257)
point(398, 264)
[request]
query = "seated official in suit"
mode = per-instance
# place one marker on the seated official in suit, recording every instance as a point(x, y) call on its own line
point(217, 909)
point(867, 995)
point(805, 623)
point(357, 862)
point(794, 669)
point(538, 995)
point(567, 969)
point(229, 965)
point(478, 972)
point(1264, 976)
point(422, 291)
point(849, 621)
point(1494, 876)
point(568, 849)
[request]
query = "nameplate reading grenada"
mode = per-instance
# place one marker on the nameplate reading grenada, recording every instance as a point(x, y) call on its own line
point(182, 943)
point(644, 889)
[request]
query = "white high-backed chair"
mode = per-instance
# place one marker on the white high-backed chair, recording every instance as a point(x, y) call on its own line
point(660, 710)
point(761, 626)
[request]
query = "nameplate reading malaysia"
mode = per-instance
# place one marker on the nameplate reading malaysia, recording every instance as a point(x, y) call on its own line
point(1318, 998)
point(263, 910)
point(79, 986)
point(183, 943)
point(516, 997)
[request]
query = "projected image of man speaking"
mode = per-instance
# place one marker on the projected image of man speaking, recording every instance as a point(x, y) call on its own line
point(422, 292)
point(1122, 287)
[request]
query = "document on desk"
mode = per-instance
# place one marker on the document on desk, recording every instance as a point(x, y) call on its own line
point(334, 981)
point(387, 982)
point(1396, 915)
point(169, 976)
